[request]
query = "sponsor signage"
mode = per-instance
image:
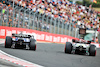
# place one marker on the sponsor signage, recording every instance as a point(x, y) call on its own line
point(38, 35)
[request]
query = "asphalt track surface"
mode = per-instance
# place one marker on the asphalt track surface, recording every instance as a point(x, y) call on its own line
point(52, 55)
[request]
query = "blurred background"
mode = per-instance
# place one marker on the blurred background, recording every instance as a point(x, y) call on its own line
point(64, 17)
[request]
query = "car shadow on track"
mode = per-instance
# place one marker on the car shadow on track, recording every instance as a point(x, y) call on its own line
point(72, 54)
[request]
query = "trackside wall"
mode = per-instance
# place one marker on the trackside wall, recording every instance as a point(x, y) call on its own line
point(38, 35)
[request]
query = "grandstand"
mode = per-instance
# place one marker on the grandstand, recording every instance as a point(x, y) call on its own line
point(60, 17)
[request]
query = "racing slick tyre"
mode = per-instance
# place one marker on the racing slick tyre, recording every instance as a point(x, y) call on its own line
point(68, 47)
point(32, 44)
point(92, 50)
point(8, 42)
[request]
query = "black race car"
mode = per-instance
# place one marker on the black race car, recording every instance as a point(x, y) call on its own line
point(21, 41)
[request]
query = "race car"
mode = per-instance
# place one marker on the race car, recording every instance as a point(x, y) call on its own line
point(80, 47)
point(21, 41)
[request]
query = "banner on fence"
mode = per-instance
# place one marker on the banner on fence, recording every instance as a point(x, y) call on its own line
point(38, 35)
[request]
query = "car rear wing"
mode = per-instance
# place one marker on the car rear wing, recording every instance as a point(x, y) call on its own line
point(22, 42)
point(21, 35)
point(81, 41)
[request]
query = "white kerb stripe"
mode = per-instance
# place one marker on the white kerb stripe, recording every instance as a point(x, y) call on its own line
point(28, 64)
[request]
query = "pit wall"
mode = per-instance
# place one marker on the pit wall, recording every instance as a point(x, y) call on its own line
point(38, 35)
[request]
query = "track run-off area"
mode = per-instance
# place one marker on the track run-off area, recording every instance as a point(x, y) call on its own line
point(52, 55)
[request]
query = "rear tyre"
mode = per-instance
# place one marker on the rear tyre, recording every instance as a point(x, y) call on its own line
point(32, 44)
point(68, 47)
point(8, 42)
point(92, 50)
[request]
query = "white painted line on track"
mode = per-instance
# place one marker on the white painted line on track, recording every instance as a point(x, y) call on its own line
point(16, 60)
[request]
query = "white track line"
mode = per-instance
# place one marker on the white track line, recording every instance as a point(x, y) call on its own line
point(16, 60)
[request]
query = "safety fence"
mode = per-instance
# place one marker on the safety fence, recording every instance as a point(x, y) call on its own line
point(24, 18)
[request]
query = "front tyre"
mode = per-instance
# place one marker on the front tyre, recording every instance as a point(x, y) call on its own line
point(32, 44)
point(68, 47)
point(92, 50)
point(8, 42)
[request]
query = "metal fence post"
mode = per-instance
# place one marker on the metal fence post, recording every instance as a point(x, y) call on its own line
point(33, 21)
point(7, 16)
point(95, 36)
point(19, 16)
point(24, 17)
point(42, 22)
point(58, 26)
point(29, 19)
point(66, 29)
point(75, 32)
point(38, 22)
point(13, 15)
point(54, 25)
point(69, 29)
point(78, 33)
point(46, 22)
point(2, 15)
point(62, 26)
point(72, 30)
point(51, 25)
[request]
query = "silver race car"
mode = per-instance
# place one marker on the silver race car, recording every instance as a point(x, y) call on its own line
point(80, 47)
point(20, 41)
